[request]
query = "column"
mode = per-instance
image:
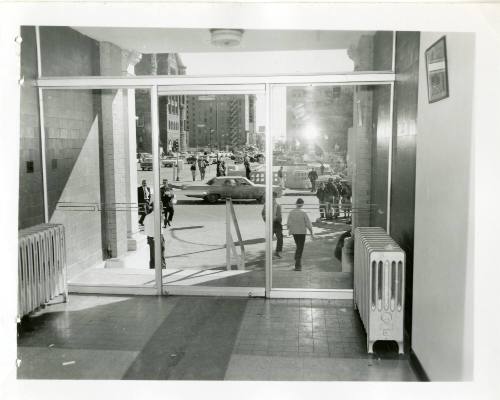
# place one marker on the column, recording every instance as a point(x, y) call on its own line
point(129, 60)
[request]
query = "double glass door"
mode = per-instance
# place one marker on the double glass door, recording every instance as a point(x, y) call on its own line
point(208, 158)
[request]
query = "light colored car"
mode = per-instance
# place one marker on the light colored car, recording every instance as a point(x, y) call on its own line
point(169, 161)
point(236, 187)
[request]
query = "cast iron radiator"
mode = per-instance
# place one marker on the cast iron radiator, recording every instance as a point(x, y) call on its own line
point(41, 266)
point(379, 273)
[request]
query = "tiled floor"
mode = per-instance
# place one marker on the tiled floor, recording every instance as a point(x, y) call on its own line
point(202, 338)
point(313, 328)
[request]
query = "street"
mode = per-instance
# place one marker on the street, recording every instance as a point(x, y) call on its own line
point(197, 237)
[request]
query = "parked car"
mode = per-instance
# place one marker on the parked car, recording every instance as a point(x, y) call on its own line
point(191, 159)
point(221, 187)
point(147, 163)
point(141, 156)
point(169, 161)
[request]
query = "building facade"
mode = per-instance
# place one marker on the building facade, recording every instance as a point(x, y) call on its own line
point(220, 122)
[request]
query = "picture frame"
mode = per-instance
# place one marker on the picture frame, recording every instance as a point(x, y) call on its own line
point(436, 64)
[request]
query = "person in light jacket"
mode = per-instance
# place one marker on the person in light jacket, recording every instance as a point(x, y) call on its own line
point(298, 224)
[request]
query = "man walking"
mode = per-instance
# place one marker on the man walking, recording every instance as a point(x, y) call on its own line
point(277, 226)
point(202, 167)
point(143, 200)
point(281, 177)
point(298, 224)
point(193, 170)
point(313, 177)
point(247, 167)
point(167, 197)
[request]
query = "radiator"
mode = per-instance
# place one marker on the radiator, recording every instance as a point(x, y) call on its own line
point(379, 276)
point(41, 266)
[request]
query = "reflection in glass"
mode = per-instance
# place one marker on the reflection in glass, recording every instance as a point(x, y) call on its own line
point(330, 150)
point(92, 163)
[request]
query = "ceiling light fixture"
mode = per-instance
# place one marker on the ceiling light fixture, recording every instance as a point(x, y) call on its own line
point(226, 37)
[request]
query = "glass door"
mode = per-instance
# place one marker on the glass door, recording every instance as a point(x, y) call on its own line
point(330, 154)
point(212, 188)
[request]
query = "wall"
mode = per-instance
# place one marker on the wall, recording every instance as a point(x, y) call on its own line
point(31, 210)
point(404, 142)
point(380, 155)
point(441, 331)
point(72, 146)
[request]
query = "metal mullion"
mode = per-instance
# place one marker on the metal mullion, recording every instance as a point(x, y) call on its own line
point(155, 125)
point(43, 156)
point(99, 82)
point(269, 191)
point(389, 161)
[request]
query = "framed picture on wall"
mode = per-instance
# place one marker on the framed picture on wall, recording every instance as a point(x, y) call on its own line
point(437, 71)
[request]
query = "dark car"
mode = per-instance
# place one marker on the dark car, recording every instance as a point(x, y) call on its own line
point(147, 163)
point(236, 187)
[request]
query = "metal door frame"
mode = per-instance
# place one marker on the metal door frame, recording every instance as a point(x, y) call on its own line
point(159, 85)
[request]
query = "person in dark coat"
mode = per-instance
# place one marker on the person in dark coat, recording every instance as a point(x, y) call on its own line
point(331, 193)
point(336, 199)
point(167, 197)
point(247, 168)
point(313, 177)
point(143, 200)
point(321, 195)
point(193, 170)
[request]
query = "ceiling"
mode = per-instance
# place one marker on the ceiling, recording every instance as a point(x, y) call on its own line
point(167, 40)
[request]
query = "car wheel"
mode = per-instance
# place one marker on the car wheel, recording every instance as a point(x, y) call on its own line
point(212, 198)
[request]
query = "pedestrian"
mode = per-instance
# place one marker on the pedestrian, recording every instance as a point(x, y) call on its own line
point(193, 170)
point(337, 198)
point(143, 200)
point(281, 177)
point(298, 224)
point(218, 168)
point(331, 193)
point(202, 166)
point(277, 225)
point(167, 197)
point(313, 177)
point(247, 168)
point(321, 195)
point(346, 200)
point(223, 168)
point(322, 169)
point(149, 230)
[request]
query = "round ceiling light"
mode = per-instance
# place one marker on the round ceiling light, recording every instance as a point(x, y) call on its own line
point(226, 37)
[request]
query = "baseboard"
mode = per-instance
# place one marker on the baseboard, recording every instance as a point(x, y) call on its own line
point(418, 368)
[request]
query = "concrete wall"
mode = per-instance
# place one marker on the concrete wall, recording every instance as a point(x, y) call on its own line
point(441, 332)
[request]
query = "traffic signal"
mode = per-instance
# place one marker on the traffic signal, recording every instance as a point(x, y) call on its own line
point(175, 145)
